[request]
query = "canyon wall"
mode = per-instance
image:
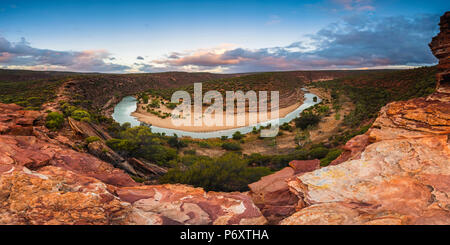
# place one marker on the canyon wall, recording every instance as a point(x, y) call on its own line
point(43, 181)
point(397, 173)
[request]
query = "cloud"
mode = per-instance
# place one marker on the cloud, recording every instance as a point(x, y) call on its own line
point(21, 54)
point(273, 19)
point(140, 58)
point(358, 5)
point(200, 58)
point(354, 42)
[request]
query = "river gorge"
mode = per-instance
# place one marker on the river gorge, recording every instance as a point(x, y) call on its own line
point(124, 109)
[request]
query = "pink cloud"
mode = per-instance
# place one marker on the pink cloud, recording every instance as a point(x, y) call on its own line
point(5, 56)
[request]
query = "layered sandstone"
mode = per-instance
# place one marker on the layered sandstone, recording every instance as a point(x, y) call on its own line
point(440, 46)
point(43, 181)
point(398, 172)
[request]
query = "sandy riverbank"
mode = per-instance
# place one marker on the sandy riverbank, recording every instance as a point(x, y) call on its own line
point(146, 117)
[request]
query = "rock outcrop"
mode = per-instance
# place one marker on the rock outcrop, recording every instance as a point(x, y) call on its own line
point(397, 173)
point(272, 195)
point(43, 181)
point(440, 46)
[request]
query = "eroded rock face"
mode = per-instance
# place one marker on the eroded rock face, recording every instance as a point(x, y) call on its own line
point(397, 173)
point(272, 195)
point(352, 149)
point(54, 196)
point(440, 46)
point(402, 177)
point(43, 181)
point(181, 204)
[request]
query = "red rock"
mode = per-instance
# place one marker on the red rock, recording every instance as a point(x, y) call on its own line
point(271, 194)
point(402, 177)
point(20, 130)
point(69, 187)
point(352, 149)
point(440, 46)
point(302, 166)
point(180, 204)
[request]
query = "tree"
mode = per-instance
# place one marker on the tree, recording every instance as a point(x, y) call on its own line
point(307, 119)
point(238, 136)
point(227, 173)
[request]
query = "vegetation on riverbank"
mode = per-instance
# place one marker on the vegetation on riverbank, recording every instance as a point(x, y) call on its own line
point(231, 167)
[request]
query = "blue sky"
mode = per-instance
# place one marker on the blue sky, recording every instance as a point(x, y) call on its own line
point(217, 36)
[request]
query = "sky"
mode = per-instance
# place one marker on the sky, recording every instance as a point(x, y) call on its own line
point(216, 36)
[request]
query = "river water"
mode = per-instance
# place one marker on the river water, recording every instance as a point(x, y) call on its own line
point(123, 110)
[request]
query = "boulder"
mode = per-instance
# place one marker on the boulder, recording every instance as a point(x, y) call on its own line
point(352, 149)
point(303, 166)
point(271, 194)
point(181, 204)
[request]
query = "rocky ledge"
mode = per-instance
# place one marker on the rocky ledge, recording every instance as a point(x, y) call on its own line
point(396, 173)
point(43, 181)
point(401, 177)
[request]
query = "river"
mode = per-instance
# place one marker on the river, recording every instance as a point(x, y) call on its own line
point(123, 110)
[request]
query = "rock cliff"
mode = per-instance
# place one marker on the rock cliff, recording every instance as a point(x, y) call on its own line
point(42, 181)
point(440, 46)
point(396, 173)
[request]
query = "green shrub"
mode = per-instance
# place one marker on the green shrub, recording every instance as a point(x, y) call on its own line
point(331, 155)
point(226, 173)
point(286, 127)
point(190, 152)
point(238, 136)
point(54, 121)
point(80, 114)
point(318, 152)
point(121, 145)
point(155, 104)
point(171, 105)
point(68, 109)
point(91, 139)
point(306, 119)
point(204, 144)
point(231, 146)
point(174, 141)
point(145, 98)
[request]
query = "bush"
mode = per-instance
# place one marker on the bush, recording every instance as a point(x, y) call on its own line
point(91, 139)
point(171, 105)
point(176, 143)
point(121, 145)
point(331, 155)
point(238, 136)
point(190, 152)
point(307, 119)
point(318, 152)
point(54, 121)
point(231, 146)
point(145, 98)
point(286, 127)
point(81, 115)
point(155, 104)
point(204, 144)
point(68, 109)
point(226, 173)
